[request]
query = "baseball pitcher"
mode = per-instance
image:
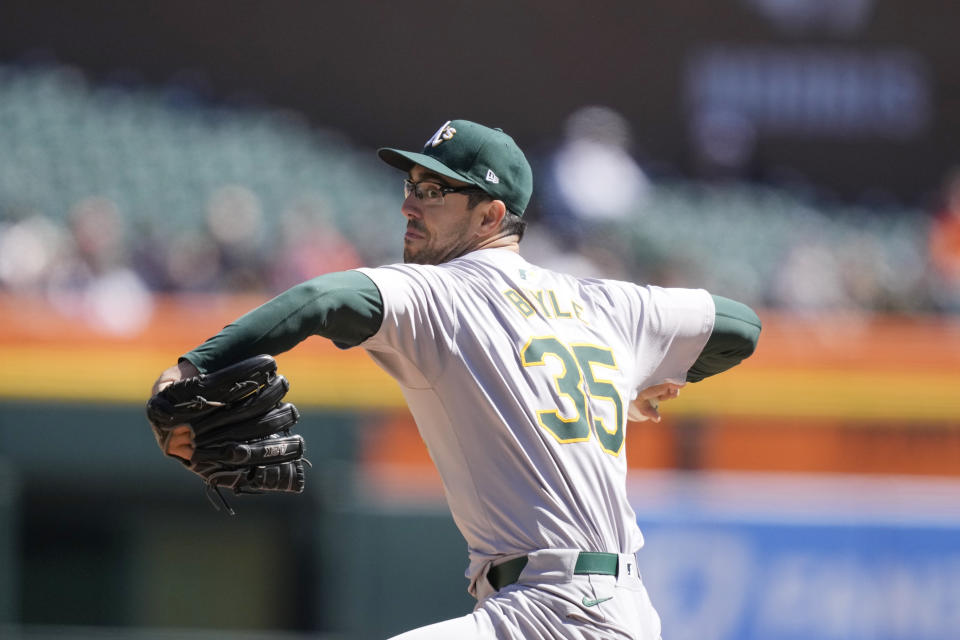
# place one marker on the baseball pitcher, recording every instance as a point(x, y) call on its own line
point(520, 379)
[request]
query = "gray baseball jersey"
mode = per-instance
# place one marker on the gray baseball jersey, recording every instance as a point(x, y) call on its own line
point(519, 379)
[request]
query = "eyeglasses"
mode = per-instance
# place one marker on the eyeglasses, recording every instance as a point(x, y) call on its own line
point(431, 193)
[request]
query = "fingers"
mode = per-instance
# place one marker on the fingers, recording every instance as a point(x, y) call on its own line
point(646, 405)
point(180, 443)
point(662, 391)
point(641, 410)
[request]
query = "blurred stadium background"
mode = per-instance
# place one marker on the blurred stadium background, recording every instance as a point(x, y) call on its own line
point(166, 166)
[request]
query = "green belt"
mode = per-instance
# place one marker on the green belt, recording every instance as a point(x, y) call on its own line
point(594, 562)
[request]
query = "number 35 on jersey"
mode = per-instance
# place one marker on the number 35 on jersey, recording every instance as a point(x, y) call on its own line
point(580, 380)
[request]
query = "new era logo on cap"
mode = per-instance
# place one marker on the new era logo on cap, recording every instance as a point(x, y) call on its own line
point(492, 177)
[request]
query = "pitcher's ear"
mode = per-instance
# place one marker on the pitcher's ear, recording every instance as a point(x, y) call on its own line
point(493, 212)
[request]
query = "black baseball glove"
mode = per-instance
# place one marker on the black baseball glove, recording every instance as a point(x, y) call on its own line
point(241, 428)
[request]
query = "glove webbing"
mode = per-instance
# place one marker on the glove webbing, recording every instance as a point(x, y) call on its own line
point(211, 490)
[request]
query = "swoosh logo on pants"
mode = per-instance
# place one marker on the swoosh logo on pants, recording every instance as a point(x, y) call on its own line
point(593, 603)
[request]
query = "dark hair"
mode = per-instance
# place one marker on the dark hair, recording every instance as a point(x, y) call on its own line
point(512, 224)
point(475, 197)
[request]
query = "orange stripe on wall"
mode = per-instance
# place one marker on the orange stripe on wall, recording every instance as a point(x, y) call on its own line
point(392, 447)
point(876, 369)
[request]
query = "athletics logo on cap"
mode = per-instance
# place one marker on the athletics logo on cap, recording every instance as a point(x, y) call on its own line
point(443, 133)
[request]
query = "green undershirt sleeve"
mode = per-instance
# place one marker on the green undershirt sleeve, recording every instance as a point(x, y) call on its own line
point(734, 337)
point(345, 307)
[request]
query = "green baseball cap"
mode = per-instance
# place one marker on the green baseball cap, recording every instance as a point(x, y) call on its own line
point(470, 152)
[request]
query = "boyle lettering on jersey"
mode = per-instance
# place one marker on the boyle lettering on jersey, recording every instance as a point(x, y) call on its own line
point(544, 302)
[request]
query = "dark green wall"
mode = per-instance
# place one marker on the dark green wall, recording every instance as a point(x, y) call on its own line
point(97, 528)
point(389, 570)
point(9, 542)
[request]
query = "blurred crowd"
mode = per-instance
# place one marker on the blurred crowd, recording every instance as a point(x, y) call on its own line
point(111, 195)
point(96, 266)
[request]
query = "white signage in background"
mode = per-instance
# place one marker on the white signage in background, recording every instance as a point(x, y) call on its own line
point(836, 596)
point(742, 582)
point(827, 92)
point(831, 16)
point(702, 580)
point(754, 556)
